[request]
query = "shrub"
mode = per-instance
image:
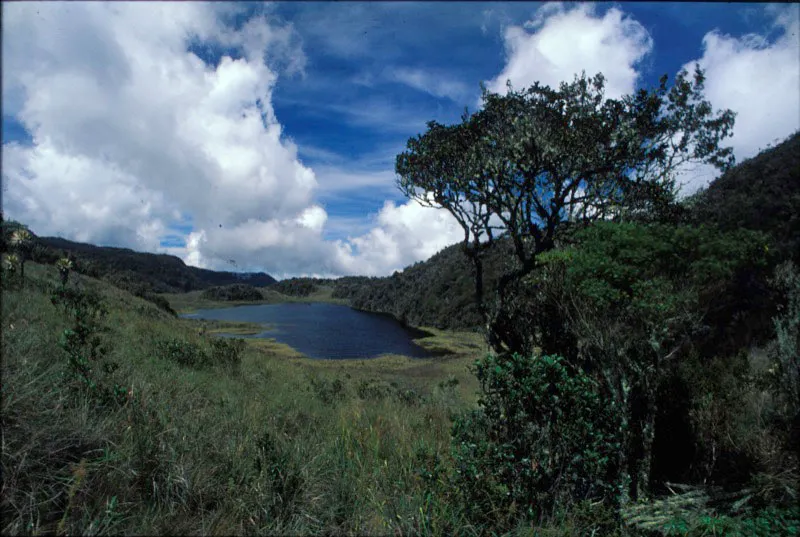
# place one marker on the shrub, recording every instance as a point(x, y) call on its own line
point(541, 438)
point(159, 301)
point(329, 392)
point(227, 352)
point(785, 349)
point(87, 368)
point(181, 352)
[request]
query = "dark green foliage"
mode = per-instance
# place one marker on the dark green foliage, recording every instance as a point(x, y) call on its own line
point(769, 522)
point(223, 352)
point(227, 352)
point(329, 392)
point(297, 286)
point(159, 273)
point(762, 193)
point(542, 439)
point(88, 371)
point(374, 390)
point(439, 292)
point(160, 301)
point(182, 352)
point(234, 292)
point(279, 473)
point(534, 161)
point(785, 350)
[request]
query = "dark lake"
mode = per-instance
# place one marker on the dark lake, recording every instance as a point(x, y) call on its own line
point(321, 330)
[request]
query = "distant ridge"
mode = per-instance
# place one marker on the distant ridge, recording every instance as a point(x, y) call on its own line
point(126, 268)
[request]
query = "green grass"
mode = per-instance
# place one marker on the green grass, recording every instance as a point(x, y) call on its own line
point(283, 444)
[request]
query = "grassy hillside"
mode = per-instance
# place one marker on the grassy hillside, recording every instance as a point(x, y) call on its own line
point(175, 434)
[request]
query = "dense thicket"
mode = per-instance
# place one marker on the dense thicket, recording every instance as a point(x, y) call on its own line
point(301, 287)
point(438, 292)
point(681, 330)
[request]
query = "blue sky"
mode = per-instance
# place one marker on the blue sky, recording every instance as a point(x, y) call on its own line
point(267, 133)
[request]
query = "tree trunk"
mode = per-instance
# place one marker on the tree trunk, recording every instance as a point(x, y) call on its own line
point(648, 435)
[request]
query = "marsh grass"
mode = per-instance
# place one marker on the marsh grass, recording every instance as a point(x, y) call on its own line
point(281, 444)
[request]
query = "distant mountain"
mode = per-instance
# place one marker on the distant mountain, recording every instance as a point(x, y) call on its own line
point(762, 193)
point(139, 271)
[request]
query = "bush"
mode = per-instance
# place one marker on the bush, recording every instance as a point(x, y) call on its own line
point(159, 301)
point(541, 439)
point(296, 286)
point(88, 370)
point(182, 352)
point(329, 392)
point(785, 349)
point(227, 352)
point(223, 352)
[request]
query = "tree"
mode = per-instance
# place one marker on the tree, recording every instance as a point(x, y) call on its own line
point(534, 162)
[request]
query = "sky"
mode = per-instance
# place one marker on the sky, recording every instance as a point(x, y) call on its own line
point(262, 137)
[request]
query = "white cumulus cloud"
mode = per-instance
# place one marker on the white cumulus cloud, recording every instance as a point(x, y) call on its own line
point(560, 42)
point(757, 79)
point(408, 231)
point(135, 138)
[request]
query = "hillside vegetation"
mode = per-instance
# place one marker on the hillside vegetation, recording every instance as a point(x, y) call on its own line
point(119, 418)
point(138, 272)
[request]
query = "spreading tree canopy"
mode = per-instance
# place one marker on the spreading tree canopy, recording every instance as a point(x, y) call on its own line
point(532, 161)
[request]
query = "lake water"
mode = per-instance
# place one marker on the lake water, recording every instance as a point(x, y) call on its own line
point(322, 330)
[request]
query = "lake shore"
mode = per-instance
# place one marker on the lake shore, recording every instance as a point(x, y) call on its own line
point(192, 301)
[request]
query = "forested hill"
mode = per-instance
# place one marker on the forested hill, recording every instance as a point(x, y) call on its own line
point(762, 193)
point(438, 292)
point(138, 271)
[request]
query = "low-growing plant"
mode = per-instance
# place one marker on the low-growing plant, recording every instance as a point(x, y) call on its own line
point(182, 352)
point(373, 390)
point(770, 522)
point(227, 352)
point(88, 369)
point(329, 392)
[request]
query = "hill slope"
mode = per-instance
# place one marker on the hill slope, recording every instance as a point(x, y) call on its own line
point(126, 268)
point(762, 194)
